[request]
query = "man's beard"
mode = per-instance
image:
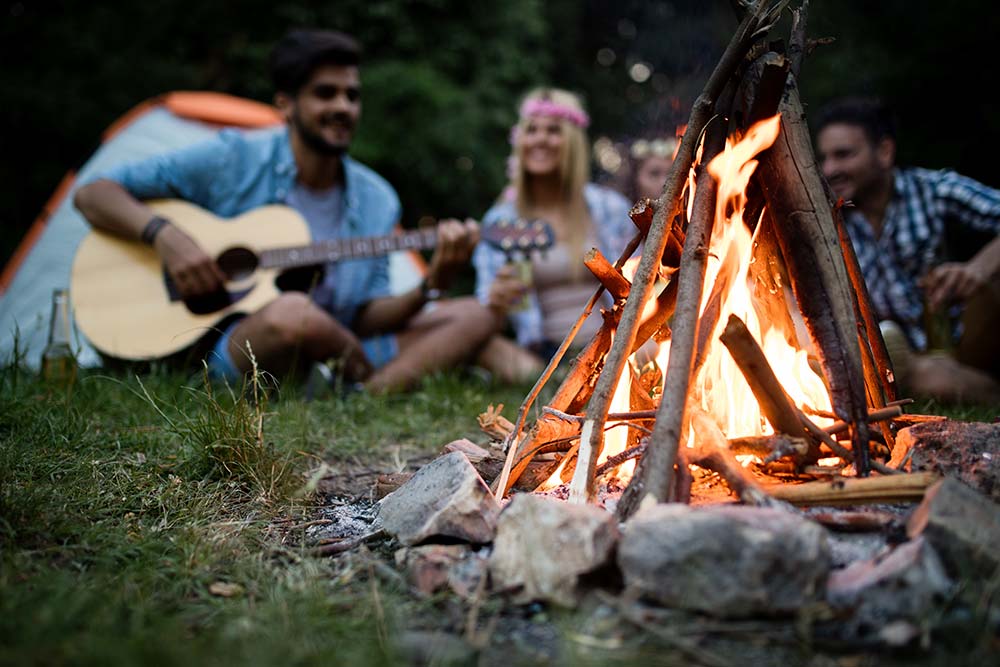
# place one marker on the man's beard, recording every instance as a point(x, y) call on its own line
point(315, 141)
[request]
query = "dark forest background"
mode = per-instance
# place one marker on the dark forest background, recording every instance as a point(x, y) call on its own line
point(442, 78)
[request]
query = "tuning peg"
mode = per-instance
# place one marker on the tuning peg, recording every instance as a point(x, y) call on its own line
point(520, 224)
point(507, 244)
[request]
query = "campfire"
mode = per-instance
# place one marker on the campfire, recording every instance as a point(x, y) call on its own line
point(741, 346)
point(748, 293)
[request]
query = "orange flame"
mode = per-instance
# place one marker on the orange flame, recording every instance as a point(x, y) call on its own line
point(720, 388)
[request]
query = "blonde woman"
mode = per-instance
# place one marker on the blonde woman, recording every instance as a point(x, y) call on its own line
point(550, 181)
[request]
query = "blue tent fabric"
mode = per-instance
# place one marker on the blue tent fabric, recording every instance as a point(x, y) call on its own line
point(26, 304)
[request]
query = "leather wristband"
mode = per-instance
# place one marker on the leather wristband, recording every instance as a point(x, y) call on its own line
point(152, 228)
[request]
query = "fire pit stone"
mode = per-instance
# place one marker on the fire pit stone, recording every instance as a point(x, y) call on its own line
point(727, 561)
point(445, 499)
point(543, 546)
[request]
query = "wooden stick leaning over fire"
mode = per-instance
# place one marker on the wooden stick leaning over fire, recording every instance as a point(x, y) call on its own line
point(795, 195)
point(879, 379)
point(757, 21)
point(690, 280)
point(586, 359)
point(578, 386)
point(668, 206)
point(809, 244)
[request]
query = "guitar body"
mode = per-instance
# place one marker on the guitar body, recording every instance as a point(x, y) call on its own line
point(125, 304)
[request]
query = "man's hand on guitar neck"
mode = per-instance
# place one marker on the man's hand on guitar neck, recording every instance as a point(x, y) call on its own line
point(456, 241)
point(194, 271)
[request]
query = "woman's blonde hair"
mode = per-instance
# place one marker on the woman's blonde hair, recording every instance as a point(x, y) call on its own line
point(574, 168)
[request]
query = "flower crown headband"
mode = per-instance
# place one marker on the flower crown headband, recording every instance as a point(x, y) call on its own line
point(643, 148)
point(538, 107)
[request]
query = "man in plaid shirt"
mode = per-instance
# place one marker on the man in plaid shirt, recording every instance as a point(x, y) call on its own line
point(908, 227)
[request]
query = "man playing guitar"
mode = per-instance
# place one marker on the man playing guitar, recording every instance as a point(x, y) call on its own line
point(386, 342)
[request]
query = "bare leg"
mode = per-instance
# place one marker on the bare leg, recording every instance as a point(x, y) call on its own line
point(981, 322)
point(293, 329)
point(941, 376)
point(508, 361)
point(435, 339)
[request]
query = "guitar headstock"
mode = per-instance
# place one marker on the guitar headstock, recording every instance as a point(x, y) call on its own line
point(519, 236)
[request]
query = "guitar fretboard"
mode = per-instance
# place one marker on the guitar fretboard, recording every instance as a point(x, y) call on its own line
point(341, 249)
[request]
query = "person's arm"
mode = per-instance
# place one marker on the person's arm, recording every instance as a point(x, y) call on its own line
point(957, 281)
point(456, 241)
point(976, 207)
point(108, 206)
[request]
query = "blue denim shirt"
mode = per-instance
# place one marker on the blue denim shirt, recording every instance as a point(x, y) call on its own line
point(609, 214)
point(241, 170)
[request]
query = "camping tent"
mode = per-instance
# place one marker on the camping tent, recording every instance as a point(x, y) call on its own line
point(43, 260)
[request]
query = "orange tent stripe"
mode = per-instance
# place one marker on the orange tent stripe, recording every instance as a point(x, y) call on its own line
point(222, 109)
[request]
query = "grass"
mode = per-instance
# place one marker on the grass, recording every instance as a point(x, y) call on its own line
point(124, 500)
point(138, 524)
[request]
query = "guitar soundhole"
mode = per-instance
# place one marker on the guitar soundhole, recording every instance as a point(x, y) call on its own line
point(238, 263)
point(210, 303)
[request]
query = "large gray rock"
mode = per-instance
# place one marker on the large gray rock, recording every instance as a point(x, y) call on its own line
point(445, 499)
point(891, 599)
point(969, 451)
point(544, 545)
point(730, 561)
point(964, 527)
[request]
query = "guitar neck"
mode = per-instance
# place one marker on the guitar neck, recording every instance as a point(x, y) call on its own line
point(324, 252)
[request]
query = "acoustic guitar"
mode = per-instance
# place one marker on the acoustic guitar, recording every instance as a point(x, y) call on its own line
point(128, 307)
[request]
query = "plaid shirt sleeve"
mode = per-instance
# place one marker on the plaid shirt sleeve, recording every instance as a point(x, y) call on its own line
point(968, 202)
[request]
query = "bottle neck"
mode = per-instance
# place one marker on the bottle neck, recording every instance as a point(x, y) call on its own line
point(59, 327)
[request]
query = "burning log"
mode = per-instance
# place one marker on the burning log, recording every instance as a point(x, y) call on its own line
point(808, 238)
point(611, 278)
point(908, 487)
point(874, 416)
point(879, 379)
point(774, 402)
point(770, 447)
point(712, 452)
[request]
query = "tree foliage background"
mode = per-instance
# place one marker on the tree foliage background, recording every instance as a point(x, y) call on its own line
point(442, 78)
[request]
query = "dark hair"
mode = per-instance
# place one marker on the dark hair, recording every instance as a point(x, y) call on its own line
point(869, 113)
point(301, 51)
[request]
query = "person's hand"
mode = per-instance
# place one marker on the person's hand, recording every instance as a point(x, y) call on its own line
point(193, 271)
point(456, 241)
point(952, 282)
point(506, 289)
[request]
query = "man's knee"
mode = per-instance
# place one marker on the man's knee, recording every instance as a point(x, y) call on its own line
point(473, 316)
point(285, 322)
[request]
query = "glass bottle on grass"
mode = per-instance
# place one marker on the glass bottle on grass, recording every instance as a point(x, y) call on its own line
point(939, 325)
point(58, 361)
